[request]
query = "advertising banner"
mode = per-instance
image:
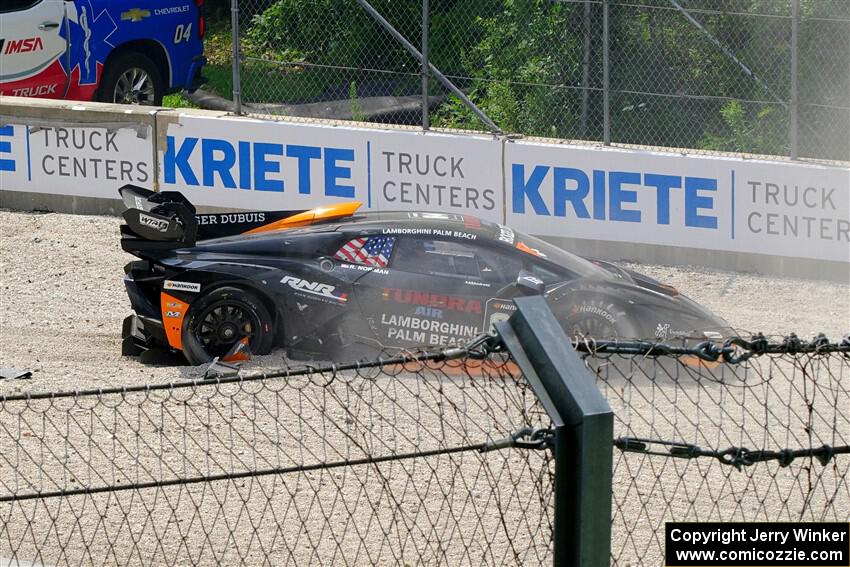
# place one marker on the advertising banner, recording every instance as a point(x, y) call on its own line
point(281, 166)
point(83, 162)
point(703, 202)
point(546, 189)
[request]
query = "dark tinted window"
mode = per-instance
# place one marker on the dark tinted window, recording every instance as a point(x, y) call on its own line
point(577, 266)
point(454, 259)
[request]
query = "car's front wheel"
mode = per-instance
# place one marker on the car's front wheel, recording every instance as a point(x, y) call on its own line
point(132, 78)
point(597, 317)
point(220, 320)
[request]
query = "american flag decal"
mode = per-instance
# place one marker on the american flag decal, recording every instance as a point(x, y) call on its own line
point(374, 251)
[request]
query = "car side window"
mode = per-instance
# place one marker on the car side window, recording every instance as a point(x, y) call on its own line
point(374, 251)
point(545, 274)
point(498, 267)
point(453, 259)
point(17, 5)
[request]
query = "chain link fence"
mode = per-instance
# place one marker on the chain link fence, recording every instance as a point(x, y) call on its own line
point(436, 458)
point(762, 434)
point(745, 76)
point(393, 462)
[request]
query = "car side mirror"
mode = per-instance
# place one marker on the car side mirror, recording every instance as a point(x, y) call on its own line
point(529, 284)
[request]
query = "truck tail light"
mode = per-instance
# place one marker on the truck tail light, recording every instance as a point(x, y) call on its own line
point(202, 22)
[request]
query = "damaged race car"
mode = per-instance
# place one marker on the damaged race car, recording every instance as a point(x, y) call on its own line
point(335, 284)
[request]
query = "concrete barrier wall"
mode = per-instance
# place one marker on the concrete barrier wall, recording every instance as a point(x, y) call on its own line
point(743, 214)
point(71, 157)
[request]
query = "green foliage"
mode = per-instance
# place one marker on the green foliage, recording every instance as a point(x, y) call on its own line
point(518, 74)
point(217, 9)
point(218, 43)
point(333, 32)
point(763, 131)
point(357, 113)
point(522, 62)
point(177, 100)
point(220, 9)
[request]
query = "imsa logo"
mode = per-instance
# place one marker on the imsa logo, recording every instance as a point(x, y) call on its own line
point(26, 45)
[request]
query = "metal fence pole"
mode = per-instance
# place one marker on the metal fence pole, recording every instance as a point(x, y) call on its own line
point(446, 82)
point(584, 432)
point(237, 57)
point(795, 38)
point(426, 123)
point(606, 77)
point(585, 69)
point(728, 52)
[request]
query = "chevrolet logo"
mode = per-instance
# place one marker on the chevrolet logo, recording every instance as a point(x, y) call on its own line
point(135, 15)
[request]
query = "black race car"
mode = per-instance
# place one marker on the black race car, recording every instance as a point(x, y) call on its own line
point(335, 284)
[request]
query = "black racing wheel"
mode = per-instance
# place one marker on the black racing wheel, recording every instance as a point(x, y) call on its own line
point(222, 318)
point(132, 78)
point(599, 317)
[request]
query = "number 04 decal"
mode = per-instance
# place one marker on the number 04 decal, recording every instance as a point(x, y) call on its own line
point(183, 33)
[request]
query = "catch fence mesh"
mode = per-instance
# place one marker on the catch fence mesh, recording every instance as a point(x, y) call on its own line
point(708, 75)
point(381, 465)
point(703, 441)
point(425, 459)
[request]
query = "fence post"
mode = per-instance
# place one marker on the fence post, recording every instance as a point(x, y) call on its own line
point(237, 57)
point(795, 38)
point(585, 69)
point(606, 77)
point(426, 123)
point(584, 432)
point(434, 71)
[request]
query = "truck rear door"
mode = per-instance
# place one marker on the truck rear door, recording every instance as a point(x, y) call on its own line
point(32, 46)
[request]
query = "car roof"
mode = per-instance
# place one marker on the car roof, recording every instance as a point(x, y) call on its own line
point(418, 222)
point(453, 226)
point(391, 223)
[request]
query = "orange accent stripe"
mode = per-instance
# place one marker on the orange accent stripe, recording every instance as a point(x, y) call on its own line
point(337, 211)
point(528, 249)
point(173, 325)
point(671, 290)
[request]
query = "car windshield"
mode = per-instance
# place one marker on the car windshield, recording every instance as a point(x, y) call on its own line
point(551, 253)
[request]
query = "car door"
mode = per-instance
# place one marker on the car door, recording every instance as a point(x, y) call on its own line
point(433, 292)
point(32, 45)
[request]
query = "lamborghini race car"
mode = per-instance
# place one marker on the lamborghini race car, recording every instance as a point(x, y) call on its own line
point(336, 284)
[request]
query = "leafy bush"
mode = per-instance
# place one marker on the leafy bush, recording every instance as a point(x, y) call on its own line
point(518, 73)
point(521, 62)
point(763, 130)
point(333, 32)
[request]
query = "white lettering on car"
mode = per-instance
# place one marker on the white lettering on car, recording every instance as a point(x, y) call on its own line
point(314, 288)
point(153, 222)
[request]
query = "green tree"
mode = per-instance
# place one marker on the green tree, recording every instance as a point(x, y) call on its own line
point(763, 130)
point(521, 61)
point(525, 58)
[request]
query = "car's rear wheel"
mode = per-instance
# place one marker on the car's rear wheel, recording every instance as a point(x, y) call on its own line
point(220, 320)
point(132, 78)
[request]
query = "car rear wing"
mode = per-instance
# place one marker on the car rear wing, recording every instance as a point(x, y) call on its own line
point(166, 220)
